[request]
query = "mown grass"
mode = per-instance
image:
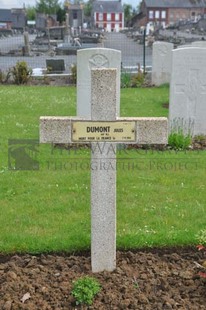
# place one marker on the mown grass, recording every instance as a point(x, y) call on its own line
point(160, 195)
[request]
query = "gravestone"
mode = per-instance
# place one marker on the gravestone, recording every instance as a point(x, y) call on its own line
point(187, 108)
point(107, 129)
point(86, 60)
point(67, 36)
point(55, 65)
point(199, 44)
point(161, 62)
point(26, 48)
point(184, 46)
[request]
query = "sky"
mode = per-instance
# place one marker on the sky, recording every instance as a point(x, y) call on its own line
point(8, 4)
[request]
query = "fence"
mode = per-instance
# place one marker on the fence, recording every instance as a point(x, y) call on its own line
point(12, 50)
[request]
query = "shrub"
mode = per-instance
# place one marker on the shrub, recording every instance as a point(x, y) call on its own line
point(21, 73)
point(138, 79)
point(181, 132)
point(125, 80)
point(85, 289)
point(179, 141)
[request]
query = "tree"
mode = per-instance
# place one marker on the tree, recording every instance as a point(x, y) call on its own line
point(88, 8)
point(128, 13)
point(61, 13)
point(48, 6)
point(31, 13)
point(51, 7)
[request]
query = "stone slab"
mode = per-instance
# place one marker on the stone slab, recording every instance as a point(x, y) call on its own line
point(161, 62)
point(94, 58)
point(187, 108)
point(55, 65)
point(199, 44)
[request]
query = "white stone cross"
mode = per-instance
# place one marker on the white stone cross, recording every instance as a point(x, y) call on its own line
point(104, 127)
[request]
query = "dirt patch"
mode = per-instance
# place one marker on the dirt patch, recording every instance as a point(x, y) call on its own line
point(155, 279)
point(166, 105)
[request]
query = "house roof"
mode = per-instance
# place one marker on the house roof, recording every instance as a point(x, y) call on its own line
point(108, 6)
point(5, 15)
point(176, 3)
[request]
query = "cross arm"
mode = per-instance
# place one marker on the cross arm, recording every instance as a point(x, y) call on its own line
point(149, 130)
point(55, 129)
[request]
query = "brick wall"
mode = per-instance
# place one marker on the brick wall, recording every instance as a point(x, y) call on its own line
point(175, 15)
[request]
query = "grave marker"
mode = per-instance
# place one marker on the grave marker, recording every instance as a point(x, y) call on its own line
point(86, 60)
point(55, 65)
point(188, 90)
point(105, 124)
point(161, 62)
point(199, 44)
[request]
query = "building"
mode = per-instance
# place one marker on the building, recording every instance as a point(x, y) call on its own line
point(76, 14)
point(168, 12)
point(108, 15)
point(44, 21)
point(12, 19)
point(5, 19)
point(19, 19)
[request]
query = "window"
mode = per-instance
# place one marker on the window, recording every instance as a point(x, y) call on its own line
point(163, 14)
point(163, 24)
point(116, 16)
point(74, 14)
point(108, 16)
point(157, 14)
point(100, 16)
point(151, 14)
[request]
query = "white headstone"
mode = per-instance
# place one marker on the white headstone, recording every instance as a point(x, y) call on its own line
point(199, 44)
point(187, 105)
point(184, 46)
point(86, 60)
point(161, 62)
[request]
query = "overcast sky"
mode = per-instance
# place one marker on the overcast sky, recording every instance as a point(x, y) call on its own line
point(8, 4)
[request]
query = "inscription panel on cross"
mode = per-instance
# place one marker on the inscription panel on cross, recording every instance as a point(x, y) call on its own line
point(111, 131)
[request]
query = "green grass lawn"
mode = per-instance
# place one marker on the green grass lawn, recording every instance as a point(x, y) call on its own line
point(160, 195)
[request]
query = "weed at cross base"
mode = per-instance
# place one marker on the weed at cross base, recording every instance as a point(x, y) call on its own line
point(85, 289)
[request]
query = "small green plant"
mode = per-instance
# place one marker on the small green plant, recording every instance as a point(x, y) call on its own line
point(201, 237)
point(125, 80)
point(21, 73)
point(138, 79)
point(49, 69)
point(85, 289)
point(179, 141)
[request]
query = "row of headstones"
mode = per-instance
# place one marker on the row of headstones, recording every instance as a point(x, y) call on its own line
point(185, 69)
